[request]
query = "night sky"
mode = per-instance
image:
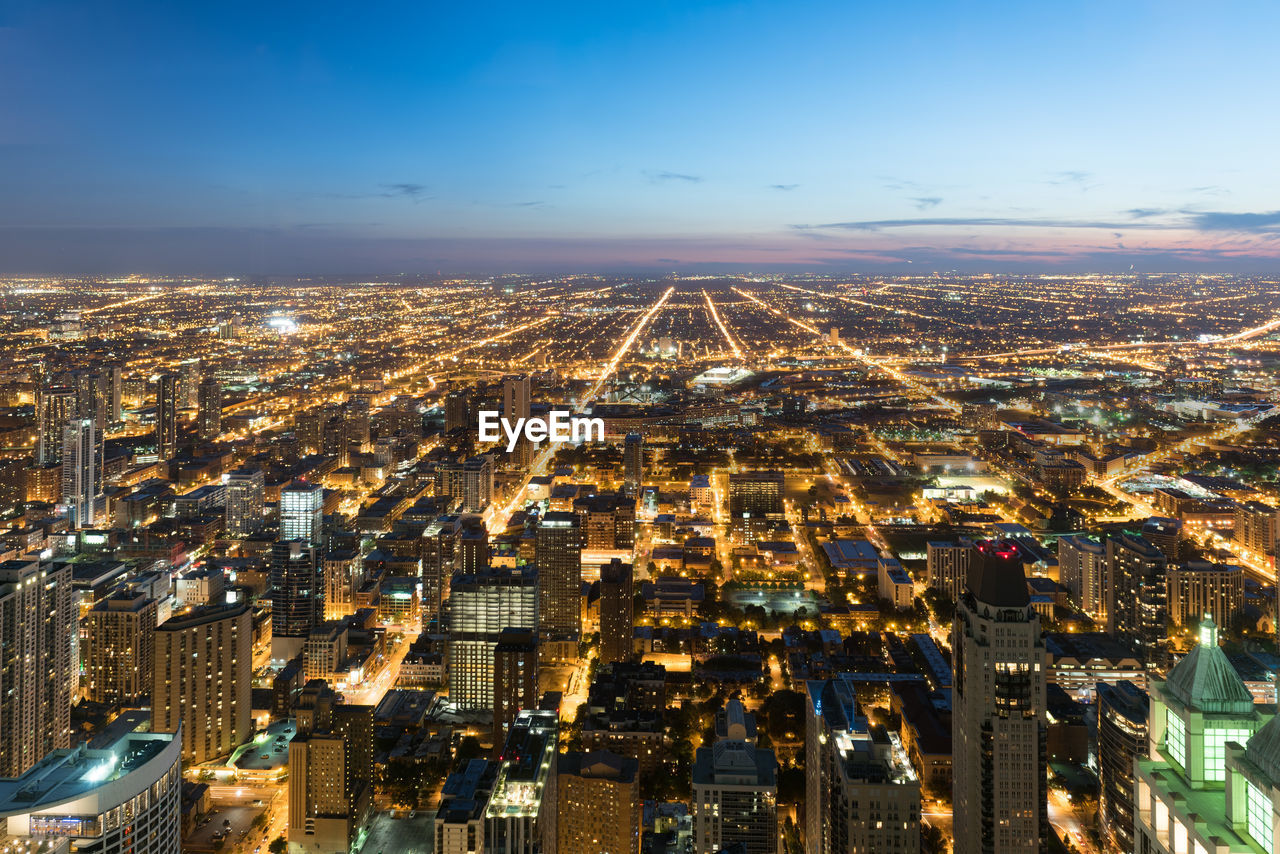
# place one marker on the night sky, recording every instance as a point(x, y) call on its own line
point(269, 138)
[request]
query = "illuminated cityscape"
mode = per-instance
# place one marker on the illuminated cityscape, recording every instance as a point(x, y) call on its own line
point(665, 428)
point(841, 532)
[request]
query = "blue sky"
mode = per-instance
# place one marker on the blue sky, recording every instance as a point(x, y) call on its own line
point(278, 138)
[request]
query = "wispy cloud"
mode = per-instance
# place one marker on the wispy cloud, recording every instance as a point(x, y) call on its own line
point(927, 202)
point(1071, 176)
point(412, 192)
point(1144, 213)
point(783, 186)
point(663, 177)
point(980, 221)
point(1263, 222)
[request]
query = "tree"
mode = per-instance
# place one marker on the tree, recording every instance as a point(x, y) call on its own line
point(469, 748)
point(278, 846)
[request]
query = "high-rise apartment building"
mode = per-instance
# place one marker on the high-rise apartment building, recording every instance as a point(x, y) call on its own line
point(558, 555)
point(947, 565)
point(37, 622)
point(246, 489)
point(297, 599)
point(1137, 594)
point(480, 607)
point(1198, 588)
point(1122, 738)
point(209, 411)
point(735, 791)
point(597, 803)
point(998, 710)
point(302, 512)
point(1082, 567)
point(54, 407)
point(515, 678)
point(167, 403)
point(330, 769)
point(617, 611)
point(633, 464)
point(1257, 526)
point(517, 397)
point(203, 668)
point(119, 647)
point(470, 482)
point(861, 793)
point(81, 471)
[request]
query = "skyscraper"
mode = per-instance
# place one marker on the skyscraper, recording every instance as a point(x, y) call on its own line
point(302, 512)
point(244, 500)
point(297, 599)
point(209, 418)
point(521, 815)
point(167, 402)
point(330, 767)
point(1137, 593)
point(558, 554)
point(480, 606)
point(1082, 566)
point(119, 793)
point(597, 803)
point(515, 678)
point(998, 719)
point(118, 649)
point(37, 621)
point(55, 407)
point(203, 665)
point(458, 412)
point(1122, 737)
point(735, 790)
point(633, 464)
point(860, 793)
point(81, 471)
point(1211, 778)
point(617, 611)
point(516, 397)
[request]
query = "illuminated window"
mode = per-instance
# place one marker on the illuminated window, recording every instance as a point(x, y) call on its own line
point(1175, 737)
point(1257, 814)
point(1215, 750)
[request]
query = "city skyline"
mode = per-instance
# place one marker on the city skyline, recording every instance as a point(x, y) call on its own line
point(682, 137)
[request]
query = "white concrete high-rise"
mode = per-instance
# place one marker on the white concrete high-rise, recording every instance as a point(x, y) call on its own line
point(81, 471)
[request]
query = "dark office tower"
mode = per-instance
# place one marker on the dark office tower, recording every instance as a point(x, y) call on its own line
point(515, 678)
point(1165, 534)
point(81, 471)
point(1137, 595)
point(633, 464)
point(516, 397)
point(56, 406)
point(756, 492)
point(210, 412)
point(1122, 737)
point(167, 402)
point(115, 392)
point(558, 555)
point(617, 611)
point(297, 601)
point(458, 414)
point(471, 551)
point(37, 620)
point(998, 721)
